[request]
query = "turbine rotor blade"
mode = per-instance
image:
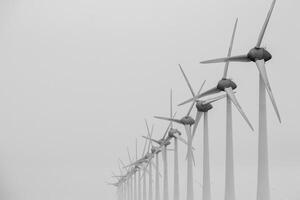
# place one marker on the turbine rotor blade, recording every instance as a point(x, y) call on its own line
point(190, 109)
point(154, 165)
point(195, 97)
point(120, 168)
point(263, 30)
point(177, 136)
point(199, 91)
point(214, 99)
point(235, 102)
point(130, 160)
point(168, 119)
point(263, 73)
point(148, 130)
point(149, 134)
point(211, 91)
point(151, 139)
point(230, 49)
point(170, 124)
point(181, 139)
point(144, 149)
point(197, 119)
point(136, 149)
point(122, 163)
point(187, 81)
point(241, 58)
point(192, 158)
point(134, 163)
point(171, 106)
point(188, 101)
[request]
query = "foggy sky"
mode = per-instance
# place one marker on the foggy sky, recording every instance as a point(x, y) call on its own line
point(77, 79)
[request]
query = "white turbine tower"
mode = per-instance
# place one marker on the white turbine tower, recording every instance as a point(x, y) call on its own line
point(260, 56)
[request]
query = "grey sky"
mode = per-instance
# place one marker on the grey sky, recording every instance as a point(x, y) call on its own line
point(78, 78)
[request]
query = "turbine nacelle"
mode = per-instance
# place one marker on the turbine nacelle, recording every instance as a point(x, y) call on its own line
point(226, 83)
point(173, 132)
point(135, 169)
point(187, 120)
point(203, 107)
point(154, 149)
point(147, 156)
point(259, 54)
point(164, 142)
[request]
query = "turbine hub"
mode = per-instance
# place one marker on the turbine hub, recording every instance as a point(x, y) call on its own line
point(259, 54)
point(226, 83)
point(187, 120)
point(201, 107)
point(147, 156)
point(172, 132)
point(153, 149)
point(167, 143)
point(161, 141)
point(158, 151)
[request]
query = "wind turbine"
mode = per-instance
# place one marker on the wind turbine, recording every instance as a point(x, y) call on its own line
point(187, 122)
point(140, 177)
point(121, 179)
point(176, 135)
point(203, 107)
point(124, 196)
point(150, 191)
point(260, 56)
point(143, 163)
point(119, 191)
point(164, 142)
point(122, 185)
point(156, 152)
point(130, 177)
point(225, 85)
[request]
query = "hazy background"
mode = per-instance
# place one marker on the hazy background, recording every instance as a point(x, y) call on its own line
point(77, 79)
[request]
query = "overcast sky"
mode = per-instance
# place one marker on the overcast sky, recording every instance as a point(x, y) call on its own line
point(77, 79)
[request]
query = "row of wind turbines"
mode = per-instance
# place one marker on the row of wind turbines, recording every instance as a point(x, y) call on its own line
point(132, 184)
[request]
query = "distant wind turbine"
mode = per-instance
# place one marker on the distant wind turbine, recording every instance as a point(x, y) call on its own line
point(187, 122)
